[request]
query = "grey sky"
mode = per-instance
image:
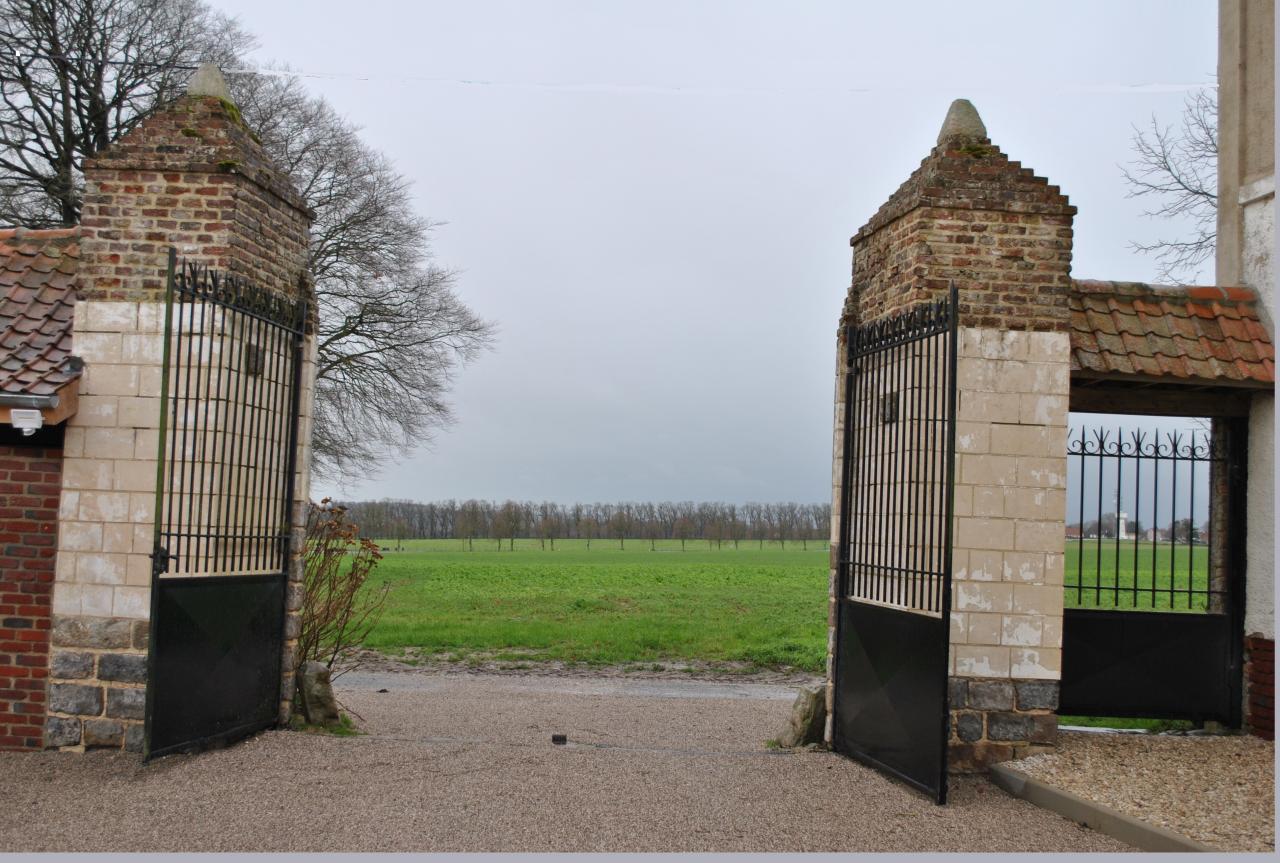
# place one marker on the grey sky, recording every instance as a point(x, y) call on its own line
point(654, 200)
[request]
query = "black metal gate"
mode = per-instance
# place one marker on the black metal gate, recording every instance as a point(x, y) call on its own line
point(1152, 624)
point(224, 497)
point(894, 571)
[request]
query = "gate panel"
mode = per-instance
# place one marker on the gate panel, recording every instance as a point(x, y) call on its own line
point(224, 499)
point(894, 591)
point(1152, 625)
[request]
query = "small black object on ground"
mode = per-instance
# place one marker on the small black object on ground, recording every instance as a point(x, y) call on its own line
point(559, 739)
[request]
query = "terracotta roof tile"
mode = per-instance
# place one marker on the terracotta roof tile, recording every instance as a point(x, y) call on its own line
point(1198, 334)
point(37, 300)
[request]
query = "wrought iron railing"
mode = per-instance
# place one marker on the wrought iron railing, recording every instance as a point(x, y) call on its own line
point(228, 429)
point(1142, 522)
point(899, 455)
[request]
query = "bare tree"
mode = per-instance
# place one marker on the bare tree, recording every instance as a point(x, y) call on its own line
point(392, 330)
point(75, 75)
point(1177, 169)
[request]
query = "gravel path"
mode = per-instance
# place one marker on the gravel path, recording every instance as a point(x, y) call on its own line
point(466, 764)
point(1216, 790)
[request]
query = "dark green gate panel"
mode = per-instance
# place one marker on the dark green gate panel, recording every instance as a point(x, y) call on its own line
point(215, 660)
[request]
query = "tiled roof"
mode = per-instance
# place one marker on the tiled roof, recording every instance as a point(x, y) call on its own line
point(1194, 335)
point(37, 297)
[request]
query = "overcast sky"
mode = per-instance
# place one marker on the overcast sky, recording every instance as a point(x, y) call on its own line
point(653, 201)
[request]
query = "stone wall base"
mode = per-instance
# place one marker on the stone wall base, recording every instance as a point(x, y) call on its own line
point(1259, 686)
point(97, 683)
point(994, 720)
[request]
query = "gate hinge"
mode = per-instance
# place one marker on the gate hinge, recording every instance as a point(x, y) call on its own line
point(160, 558)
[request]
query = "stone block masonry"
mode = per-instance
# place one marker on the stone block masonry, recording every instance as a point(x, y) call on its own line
point(30, 476)
point(102, 598)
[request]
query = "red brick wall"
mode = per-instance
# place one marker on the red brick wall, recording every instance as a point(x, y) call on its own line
point(191, 176)
point(972, 216)
point(1259, 682)
point(30, 479)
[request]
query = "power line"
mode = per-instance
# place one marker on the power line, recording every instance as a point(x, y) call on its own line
point(681, 89)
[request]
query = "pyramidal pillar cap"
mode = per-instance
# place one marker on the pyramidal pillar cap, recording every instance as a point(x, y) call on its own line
point(962, 122)
point(208, 81)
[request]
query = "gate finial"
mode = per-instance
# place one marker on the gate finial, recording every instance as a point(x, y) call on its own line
point(208, 81)
point(962, 122)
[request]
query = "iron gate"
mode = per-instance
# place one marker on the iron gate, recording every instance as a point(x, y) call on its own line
point(1152, 623)
point(894, 570)
point(224, 497)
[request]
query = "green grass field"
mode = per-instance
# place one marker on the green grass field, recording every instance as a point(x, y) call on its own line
point(1190, 569)
point(605, 606)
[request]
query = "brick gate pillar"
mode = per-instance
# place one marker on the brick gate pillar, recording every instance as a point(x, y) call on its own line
point(192, 176)
point(971, 216)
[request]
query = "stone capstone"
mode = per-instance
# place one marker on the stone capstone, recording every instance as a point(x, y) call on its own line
point(808, 718)
point(208, 81)
point(315, 694)
point(962, 122)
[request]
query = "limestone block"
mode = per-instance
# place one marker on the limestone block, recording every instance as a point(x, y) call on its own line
point(104, 506)
point(101, 411)
point(981, 660)
point(991, 533)
point(989, 470)
point(1041, 409)
point(1021, 630)
point(1041, 472)
point(983, 629)
point(79, 536)
point(95, 600)
point(982, 596)
point(97, 347)
point(100, 568)
point(108, 443)
point(102, 316)
point(87, 473)
point(117, 538)
point(984, 565)
point(132, 602)
point(1023, 566)
point(984, 407)
point(1036, 662)
point(1037, 599)
point(1044, 536)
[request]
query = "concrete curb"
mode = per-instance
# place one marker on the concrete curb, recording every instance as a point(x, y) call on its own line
point(1117, 825)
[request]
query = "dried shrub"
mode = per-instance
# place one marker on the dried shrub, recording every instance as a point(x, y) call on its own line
point(338, 610)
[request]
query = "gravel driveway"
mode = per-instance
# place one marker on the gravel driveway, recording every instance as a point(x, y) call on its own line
point(465, 763)
point(1217, 790)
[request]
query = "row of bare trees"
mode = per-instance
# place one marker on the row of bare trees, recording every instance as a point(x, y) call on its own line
point(686, 521)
